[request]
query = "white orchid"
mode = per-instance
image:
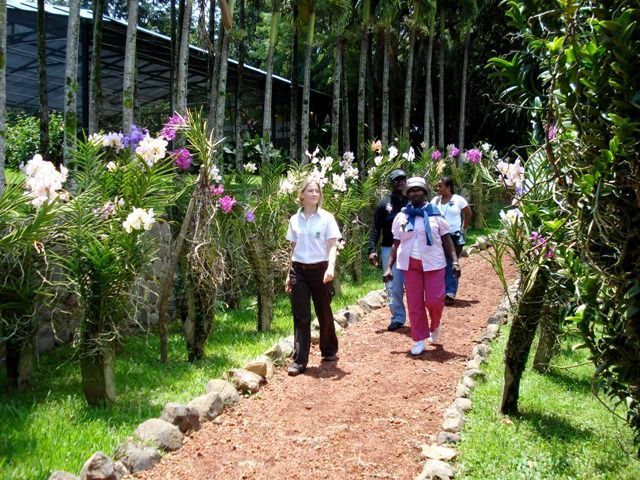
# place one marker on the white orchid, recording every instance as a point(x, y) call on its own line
point(338, 182)
point(43, 182)
point(410, 155)
point(393, 152)
point(348, 157)
point(287, 186)
point(214, 174)
point(138, 219)
point(152, 150)
point(113, 140)
point(250, 167)
point(326, 163)
point(378, 160)
point(511, 216)
point(111, 166)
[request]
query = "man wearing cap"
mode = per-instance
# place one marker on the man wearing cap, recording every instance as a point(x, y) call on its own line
point(384, 215)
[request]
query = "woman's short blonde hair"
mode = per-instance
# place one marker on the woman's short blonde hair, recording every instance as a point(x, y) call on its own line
point(303, 186)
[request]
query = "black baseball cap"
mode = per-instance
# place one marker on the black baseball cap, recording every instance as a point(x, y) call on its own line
point(397, 173)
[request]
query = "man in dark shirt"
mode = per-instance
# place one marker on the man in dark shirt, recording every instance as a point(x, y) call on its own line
point(386, 211)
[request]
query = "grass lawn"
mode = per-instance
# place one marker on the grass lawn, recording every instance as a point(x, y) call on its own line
point(561, 432)
point(50, 427)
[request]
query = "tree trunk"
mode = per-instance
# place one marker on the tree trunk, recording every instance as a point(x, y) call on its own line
point(71, 82)
point(128, 79)
point(167, 284)
point(240, 91)
point(172, 59)
point(346, 128)
point(406, 118)
point(428, 97)
point(463, 95)
point(266, 297)
point(198, 325)
point(183, 60)
point(95, 86)
point(337, 78)
point(295, 82)
point(19, 360)
point(362, 97)
point(221, 96)
point(3, 91)
point(523, 330)
point(442, 48)
point(97, 366)
point(384, 134)
point(306, 88)
point(213, 93)
point(42, 79)
point(268, 87)
point(547, 339)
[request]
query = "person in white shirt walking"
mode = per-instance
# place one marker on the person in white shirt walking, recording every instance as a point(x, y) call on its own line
point(457, 213)
point(314, 235)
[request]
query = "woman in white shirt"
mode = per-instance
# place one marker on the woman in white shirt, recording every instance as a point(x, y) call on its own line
point(314, 235)
point(421, 236)
point(457, 213)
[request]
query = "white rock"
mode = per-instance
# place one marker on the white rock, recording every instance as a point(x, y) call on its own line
point(245, 381)
point(436, 470)
point(160, 433)
point(463, 404)
point(101, 467)
point(226, 390)
point(438, 452)
point(209, 406)
point(262, 365)
point(453, 425)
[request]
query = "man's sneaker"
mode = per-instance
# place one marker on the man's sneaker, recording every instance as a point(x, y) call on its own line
point(393, 326)
point(417, 348)
point(449, 299)
point(435, 335)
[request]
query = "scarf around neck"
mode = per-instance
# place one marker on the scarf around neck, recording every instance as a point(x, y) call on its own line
point(425, 211)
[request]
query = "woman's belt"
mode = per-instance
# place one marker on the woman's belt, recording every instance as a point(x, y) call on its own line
point(310, 266)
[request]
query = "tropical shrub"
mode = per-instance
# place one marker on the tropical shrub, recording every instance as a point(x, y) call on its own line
point(23, 139)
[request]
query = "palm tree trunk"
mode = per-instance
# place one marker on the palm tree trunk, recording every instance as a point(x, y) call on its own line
point(95, 86)
point(295, 82)
point(222, 86)
point(172, 58)
point(268, 87)
point(213, 93)
point(42, 79)
point(442, 46)
point(362, 96)
point(346, 130)
point(406, 119)
point(384, 135)
point(183, 60)
point(337, 78)
point(463, 95)
point(128, 79)
point(71, 82)
point(428, 97)
point(3, 91)
point(239, 91)
point(306, 88)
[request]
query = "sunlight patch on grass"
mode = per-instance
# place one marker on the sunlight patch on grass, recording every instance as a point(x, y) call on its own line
point(561, 432)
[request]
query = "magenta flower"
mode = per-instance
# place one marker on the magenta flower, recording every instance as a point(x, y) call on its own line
point(219, 190)
point(454, 152)
point(226, 203)
point(436, 155)
point(182, 158)
point(250, 216)
point(474, 156)
point(550, 253)
point(172, 126)
point(551, 134)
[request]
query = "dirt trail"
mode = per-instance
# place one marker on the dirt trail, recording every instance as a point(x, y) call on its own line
point(362, 417)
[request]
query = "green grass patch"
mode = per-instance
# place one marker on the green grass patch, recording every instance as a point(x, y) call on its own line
point(50, 427)
point(562, 431)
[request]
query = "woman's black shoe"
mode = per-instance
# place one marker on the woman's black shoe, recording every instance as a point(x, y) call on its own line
point(295, 369)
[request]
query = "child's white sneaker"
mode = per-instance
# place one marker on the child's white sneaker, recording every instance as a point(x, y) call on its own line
point(417, 348)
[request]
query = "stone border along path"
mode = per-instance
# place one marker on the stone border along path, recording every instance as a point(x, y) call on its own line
point(439, 457)
point(156, 436)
